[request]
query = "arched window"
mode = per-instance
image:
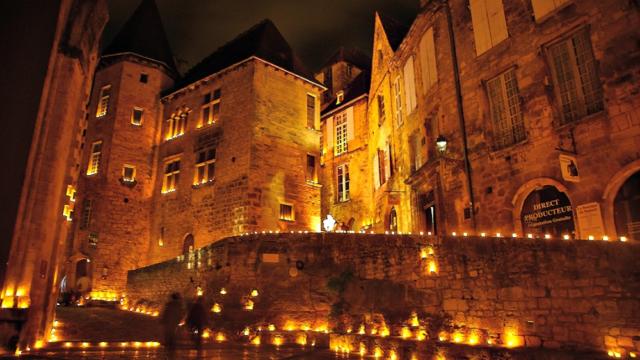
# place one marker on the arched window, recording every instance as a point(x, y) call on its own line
point(393, 220)
point(626, 208)
point(188, 244)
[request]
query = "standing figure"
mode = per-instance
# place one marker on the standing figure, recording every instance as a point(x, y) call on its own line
point(197, 321)
point(172, 315)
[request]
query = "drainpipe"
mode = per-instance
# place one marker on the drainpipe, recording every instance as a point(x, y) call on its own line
point(463, 129)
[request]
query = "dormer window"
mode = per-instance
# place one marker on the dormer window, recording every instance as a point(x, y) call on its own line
point(339, 97)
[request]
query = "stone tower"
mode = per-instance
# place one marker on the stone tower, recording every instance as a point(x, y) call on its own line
point(117, 172)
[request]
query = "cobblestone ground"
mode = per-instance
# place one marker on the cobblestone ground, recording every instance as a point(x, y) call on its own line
point(95, 325)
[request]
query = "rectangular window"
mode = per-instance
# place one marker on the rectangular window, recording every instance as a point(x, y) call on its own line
point(94, 158)
point(343, 182)
point(171, 176)
point(409, 85)
point(542, 8)
point(397, 94)
point(489, 23)
point(311, 111)
point(144, 78)
point(312, 169)
point(575, 79)
point(136, 116)
point(286, 212)
point(210, 108)
point(382, 167)
point(428, 60)
point(176, 126)
point(415, 142)
point(504, 104)
point(205, 166)
point(103, 101)
point(87, 208)
point(128, 173)
point(341, 133)
point(381, 110)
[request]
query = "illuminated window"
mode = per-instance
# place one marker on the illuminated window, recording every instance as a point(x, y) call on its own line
point(136, 116)
point(575, 78)
point(311, 111)
point(171, 176)
point(504, 103)
point(381, 110)
point(210, 108)
point(286, 212)
point(339, 97)
point(312, 169)
point(87, 208)
point(93, 239)
point(129, 173)
point(67, 211)
point(343, 182)
point(176, 125)
point(94, 158)
point(71, 193)
point(489, 24)
point(205, 166)
point(541, 8)
point(341, 133)
point(103, 101)
point(397, 95)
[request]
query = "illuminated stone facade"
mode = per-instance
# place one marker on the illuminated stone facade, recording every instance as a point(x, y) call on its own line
point(549, 107)
point(172, 164)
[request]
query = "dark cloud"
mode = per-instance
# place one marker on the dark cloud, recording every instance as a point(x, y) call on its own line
point(313, 28)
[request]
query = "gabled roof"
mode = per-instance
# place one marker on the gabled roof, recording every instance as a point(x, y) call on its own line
point(353, 56)
point(144, 35)
point(395, 30)
point(263, 40)
point(356, 88)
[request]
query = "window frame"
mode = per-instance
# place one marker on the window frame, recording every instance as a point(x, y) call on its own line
point(206, 165)
point(512, 124)
point(170, 178)
point(176, 125)
point(104, 99)
point(124, 173)
point(214, 101)
point(343, 182)
point(95, 159)
point(313, 120)
point(311, 177)
point(397, 97)
point(133, 115)
point(341, 132)
point(582, 106)
point(280, 213)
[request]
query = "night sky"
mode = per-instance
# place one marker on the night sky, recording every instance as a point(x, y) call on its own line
point(315, 29)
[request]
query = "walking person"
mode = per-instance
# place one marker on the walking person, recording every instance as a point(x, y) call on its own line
point(172, 315)
point(197, 321)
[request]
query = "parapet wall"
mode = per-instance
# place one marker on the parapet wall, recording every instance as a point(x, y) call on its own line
point(497, 291)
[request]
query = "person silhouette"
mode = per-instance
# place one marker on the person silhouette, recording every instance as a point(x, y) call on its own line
point(172, 316)
point(197, 321)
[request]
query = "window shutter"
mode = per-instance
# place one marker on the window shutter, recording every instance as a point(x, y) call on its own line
point(376, 170)
point(387, 164)
point(542, 7)
point(409, 85)
point(350, 124)
point(329, 133)
point(428, 60)
point(480, 23)
point(497, 21)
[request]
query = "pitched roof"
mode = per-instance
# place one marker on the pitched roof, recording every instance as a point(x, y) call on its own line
point(263, 40)
point(144, 35)
point(353, 56)
point(395, 30)
point(356, 88)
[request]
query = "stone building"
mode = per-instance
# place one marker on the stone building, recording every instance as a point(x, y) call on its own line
point(46, 83)
point(345, 174)
point(173, 163)
point(510, 117)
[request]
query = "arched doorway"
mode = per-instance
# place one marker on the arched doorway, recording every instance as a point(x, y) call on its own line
point(393, 220)
point(626, 208)
point(547, 210)
point(188, 244)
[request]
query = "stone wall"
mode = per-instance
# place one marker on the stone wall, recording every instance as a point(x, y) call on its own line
point(499, 291)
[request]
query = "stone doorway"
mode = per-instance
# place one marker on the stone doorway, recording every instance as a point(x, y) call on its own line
point(626, 208)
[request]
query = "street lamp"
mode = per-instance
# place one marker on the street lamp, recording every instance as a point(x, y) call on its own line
point(441, 144)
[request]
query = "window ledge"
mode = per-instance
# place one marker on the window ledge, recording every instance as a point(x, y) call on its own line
point(287, 221)
point(314, 184)
point(203, 185)
point(128, 183)
point(600, 115)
